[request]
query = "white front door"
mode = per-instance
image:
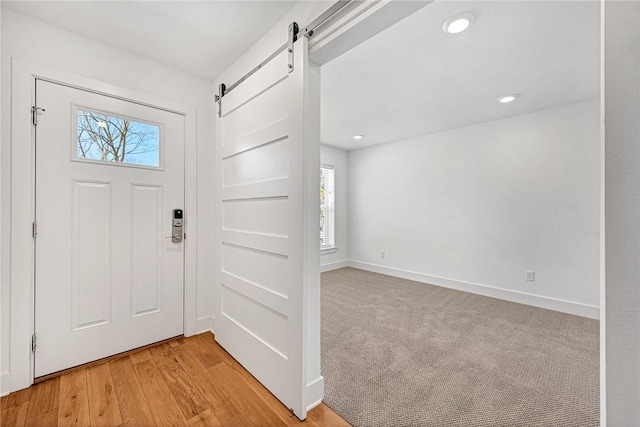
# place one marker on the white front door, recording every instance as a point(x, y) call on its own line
point(109, 174)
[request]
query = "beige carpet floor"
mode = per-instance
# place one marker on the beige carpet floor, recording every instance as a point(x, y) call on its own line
point(402, 353)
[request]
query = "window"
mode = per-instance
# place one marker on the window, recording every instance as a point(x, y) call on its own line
point(327, 215)
point(106, 138)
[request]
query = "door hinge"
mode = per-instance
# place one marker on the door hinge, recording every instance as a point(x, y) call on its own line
point(293, 36)
point(33, 343)
point(34, 229)
point(218, 98)
point(34, 114)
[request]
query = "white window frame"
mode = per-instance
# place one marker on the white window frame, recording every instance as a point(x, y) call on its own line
point(330, 211)
point(74, 143)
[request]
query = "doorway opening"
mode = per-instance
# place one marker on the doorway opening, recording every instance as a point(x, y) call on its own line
point(465, 144)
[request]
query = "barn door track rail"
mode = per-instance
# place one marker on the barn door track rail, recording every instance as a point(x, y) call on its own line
point(294, 33)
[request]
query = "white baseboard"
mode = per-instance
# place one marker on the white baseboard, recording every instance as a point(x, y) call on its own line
point(334, 266)
point(570, 307)
point(315, 393)
point(5, 383)
point(205, 324)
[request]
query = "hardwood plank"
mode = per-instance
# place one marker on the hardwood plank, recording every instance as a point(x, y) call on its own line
point(103, 404)
point(267, 397)
point(164, 408)
point(103, 360)
point(208, 341)
point(140, 356)
point(256, 410)
point(226, 410)
point(205, 419)
point(187, 359)
point(308, 422)
point(74, 400)
point(15, 415)
point(188, 397)
point(324, 416)
point(261, 391)
point(203, 352)
point(44, 398)
point(45, 419)
point(134, 409)
point(177, 343)
point(16, 398)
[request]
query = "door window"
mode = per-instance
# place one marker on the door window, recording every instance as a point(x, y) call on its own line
point(327, 211)
point(105, 137)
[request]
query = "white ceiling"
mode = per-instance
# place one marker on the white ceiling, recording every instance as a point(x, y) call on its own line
point(414, 79)
point(199, 37)
point(409, 80)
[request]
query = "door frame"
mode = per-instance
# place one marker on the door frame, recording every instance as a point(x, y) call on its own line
point(24, 75)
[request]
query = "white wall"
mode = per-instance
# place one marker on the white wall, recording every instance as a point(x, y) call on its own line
point(37, 42)
point(475, 207)
point(620, 322)
point(338, 258)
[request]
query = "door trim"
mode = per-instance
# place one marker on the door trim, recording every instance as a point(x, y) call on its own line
point(24, 75)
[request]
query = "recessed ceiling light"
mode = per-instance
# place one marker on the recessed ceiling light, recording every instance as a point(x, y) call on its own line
point(508, 98)
point(458, 23)
point(357, 137)
point(102, 124)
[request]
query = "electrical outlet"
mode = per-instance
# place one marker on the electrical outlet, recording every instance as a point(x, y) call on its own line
point(382, 254)
point(530, 276)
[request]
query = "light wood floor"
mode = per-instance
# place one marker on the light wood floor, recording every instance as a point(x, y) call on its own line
point(191, 381)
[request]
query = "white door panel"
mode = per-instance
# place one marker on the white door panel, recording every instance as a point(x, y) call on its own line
point(107, 280)
point(261, 241)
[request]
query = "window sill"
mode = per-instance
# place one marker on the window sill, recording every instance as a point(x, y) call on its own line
point(327, 251)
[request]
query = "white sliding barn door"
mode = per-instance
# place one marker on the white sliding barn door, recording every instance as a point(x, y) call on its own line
point(263, 167)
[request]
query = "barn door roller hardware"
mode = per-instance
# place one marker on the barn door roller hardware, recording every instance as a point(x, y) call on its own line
point(294, 33)
point(218, 98)
point(293, 36)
